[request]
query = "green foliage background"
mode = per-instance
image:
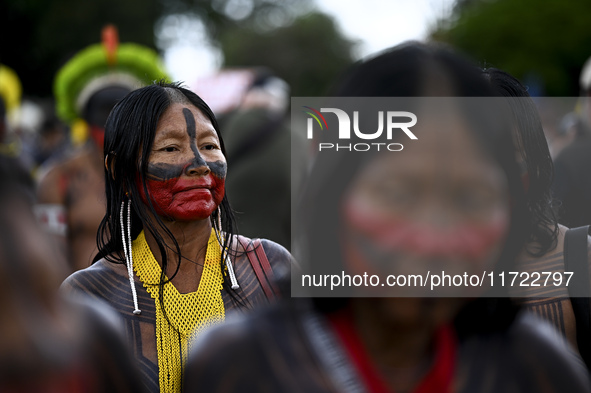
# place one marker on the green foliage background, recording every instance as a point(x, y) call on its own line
point(540, 41)
point(39, 36)
point(306, 49)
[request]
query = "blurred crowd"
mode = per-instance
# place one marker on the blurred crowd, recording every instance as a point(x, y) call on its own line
point(496, 188)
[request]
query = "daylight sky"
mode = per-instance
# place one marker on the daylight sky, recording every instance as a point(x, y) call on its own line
point(375, 24)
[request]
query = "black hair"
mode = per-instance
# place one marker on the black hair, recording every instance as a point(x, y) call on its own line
point(413, 70)
point(99, 105)
point(531, 144)
point(129, 134)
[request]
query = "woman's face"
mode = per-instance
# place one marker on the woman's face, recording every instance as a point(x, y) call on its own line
point(186, 170)
point(439, 205)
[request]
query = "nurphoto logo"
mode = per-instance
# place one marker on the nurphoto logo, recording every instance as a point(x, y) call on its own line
point(392, 120)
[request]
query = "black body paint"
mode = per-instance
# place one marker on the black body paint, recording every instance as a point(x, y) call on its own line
point(163, 172)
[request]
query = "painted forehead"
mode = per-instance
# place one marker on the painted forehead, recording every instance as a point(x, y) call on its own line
point(192, 118)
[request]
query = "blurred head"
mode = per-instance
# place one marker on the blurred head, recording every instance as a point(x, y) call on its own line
point(533, 157)
point(89, 84)
point(440, 203)
point(163, 151)
point(446, 201)
point(97, 108)
point(266, 91)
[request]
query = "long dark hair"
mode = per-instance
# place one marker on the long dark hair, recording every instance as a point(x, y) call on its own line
point(129, 134)
point(532, 145)
point(413, 70)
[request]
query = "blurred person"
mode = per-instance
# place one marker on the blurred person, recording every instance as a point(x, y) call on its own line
point(258, 143)
point(52, 141)
point(567, 130)
point(572, 185)
point(48, 344)
point(26, 129)
point(70, 190)
point(452, 198)
point(168, 232)
point(545, 246)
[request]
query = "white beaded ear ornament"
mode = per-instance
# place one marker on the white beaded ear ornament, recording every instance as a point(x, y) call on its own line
point(128, 252)
point(233, 280)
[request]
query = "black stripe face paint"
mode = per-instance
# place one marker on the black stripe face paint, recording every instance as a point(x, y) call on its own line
point(163, 171)
point(190, 119)
point(176, 191)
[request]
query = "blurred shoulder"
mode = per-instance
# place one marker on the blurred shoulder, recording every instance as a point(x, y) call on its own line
point(52, 177)
point(539, 347)
point(529, 356)
point(255, 341)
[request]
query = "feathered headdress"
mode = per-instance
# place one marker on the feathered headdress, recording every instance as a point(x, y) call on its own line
point(98, 66)
point(10, 90)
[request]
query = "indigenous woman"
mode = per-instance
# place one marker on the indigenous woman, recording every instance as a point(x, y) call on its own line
point(451, 201)
point(169, 261)
point(545, 246)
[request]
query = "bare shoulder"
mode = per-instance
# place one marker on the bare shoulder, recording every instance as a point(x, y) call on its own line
point(48, 185)
point(96, 280)
point(278, 256)
point(51, 177)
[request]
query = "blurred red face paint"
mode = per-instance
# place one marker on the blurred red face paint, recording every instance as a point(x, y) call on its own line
point(98, 136)
point(439, 204)
point(182, 182)
point(464, 240)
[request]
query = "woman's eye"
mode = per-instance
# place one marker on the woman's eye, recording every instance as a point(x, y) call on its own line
point(210, 147)
point(170, 149)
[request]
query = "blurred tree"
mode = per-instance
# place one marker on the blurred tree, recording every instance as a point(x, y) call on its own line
point(222, 14)
point(306, 49)
point(39, 36)
point(308, 54)
point(302, 46)
point(543, 43)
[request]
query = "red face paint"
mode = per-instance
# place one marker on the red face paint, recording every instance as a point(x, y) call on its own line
point(187, 198)
point(188, 191)
point(98, 136)
point(471, 241)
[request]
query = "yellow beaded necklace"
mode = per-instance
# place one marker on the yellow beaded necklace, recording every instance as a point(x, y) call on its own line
point(188, 313)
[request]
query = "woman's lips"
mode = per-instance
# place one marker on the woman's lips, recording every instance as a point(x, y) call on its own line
point(203, 184)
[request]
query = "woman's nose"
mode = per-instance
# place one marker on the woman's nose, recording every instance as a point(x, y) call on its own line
point(198, 167)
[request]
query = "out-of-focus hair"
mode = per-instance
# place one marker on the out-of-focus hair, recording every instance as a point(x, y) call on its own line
point(531, 144)
point(129, 134)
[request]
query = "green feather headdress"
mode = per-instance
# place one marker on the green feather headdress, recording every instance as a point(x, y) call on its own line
point(102, 65)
